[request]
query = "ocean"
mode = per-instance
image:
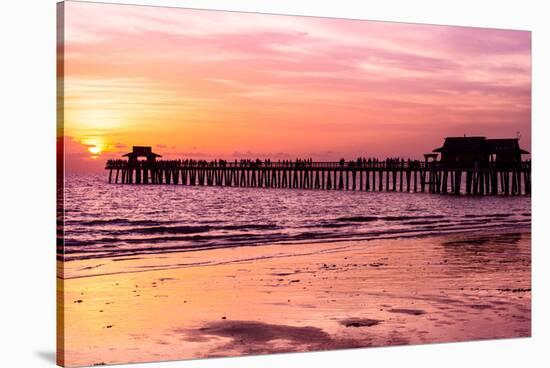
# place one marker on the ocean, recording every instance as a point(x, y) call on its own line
point(107, 220)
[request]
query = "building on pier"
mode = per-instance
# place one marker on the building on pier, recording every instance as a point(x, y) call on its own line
point(141, 151)
point(505, 151)
point(479, 151)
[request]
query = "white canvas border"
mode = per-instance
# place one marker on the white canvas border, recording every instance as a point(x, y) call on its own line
point(28, 196)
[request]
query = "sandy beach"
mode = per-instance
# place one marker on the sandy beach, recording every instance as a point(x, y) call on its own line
point(300, 297)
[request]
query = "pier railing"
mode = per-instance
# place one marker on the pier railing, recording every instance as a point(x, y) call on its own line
point(489, 178)
point(394, 165)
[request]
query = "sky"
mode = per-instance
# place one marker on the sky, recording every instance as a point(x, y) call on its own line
point(212, 84)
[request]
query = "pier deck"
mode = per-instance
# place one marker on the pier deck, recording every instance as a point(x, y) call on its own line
point(387, 175)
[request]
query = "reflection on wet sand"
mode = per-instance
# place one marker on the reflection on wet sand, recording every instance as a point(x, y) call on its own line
point(283, 298)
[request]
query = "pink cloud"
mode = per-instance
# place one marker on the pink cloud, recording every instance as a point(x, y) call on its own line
point(78, 159)
point(352, 85)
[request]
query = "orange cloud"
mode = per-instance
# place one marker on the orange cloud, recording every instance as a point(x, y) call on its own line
point(236, 83)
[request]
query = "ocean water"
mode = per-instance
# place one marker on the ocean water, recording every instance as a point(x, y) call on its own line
point(108, 220)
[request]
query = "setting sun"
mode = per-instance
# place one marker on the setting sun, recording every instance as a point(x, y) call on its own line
point(95, 150)
point(95, 146)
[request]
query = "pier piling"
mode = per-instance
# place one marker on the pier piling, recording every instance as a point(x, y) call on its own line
point(403, 176)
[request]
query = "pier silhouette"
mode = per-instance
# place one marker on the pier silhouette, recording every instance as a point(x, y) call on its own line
point(483, 172)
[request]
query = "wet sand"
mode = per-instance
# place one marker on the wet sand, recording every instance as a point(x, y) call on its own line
point(302, 297)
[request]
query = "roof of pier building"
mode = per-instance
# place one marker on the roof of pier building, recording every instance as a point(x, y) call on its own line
point(454, 145)
point(505, 146)
point(141, 151)
point(468, 145)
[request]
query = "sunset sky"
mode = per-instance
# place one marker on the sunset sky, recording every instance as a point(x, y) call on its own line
point(209, 84)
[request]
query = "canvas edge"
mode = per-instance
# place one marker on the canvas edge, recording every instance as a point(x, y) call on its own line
point(60, 182)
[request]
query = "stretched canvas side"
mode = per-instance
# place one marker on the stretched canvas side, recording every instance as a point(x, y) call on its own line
point(60, 177)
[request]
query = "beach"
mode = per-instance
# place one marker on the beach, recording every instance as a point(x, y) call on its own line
point(279, 298)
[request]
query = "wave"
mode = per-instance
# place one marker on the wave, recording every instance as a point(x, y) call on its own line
point(297, 239)
point(358, 219)
point(181, 229)
point(117, 246)
point(386, 218)
point(118, 221)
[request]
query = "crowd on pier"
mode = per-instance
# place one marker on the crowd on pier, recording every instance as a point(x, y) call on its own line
point(360, 162)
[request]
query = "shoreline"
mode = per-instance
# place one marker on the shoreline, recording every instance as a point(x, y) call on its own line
point(291, 245)
point(454, 287)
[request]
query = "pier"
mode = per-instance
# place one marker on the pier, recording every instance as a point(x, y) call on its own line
point(369, 175)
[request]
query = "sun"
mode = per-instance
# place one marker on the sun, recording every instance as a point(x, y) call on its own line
point(94, 150)
point(95, 146)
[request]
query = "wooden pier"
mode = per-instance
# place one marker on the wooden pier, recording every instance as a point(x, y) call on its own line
point(370, 176)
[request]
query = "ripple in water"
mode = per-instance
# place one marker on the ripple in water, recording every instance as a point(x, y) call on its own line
point(106, 220)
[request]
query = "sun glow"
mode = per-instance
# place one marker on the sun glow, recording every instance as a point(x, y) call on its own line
point(95, 150)
point(96, 146)
point(247, 89)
